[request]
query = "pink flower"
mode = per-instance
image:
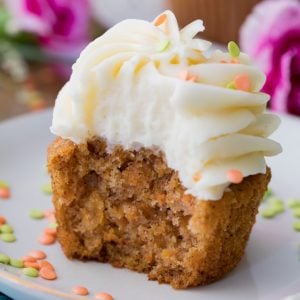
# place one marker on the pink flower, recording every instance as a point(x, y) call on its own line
point(61, 25)
point(271, 35)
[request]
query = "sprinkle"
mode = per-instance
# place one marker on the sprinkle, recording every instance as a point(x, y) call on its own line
point(234, 176)
point(3, 184)
point(185, 75)
point(268, 193)
point(296, 212)
point(47, 189)
point(268, 213)
point(2, 220)
point(296, 225)
point(28, 258)
point(293, 203)
point(242, 82)
point(192, 78)
point(52, 225)
point(231, 85)
point(34, 265)
point(46, 264)
point(30, 272)
point(233, 49)
point(51, 218)
point(276, 204)
point(4, 193)
point(17, 263)
point(46, 239)
point(4, 259)
point(80, 290)
point(104, 296)
point(50, 231)
point(160, 20)
point(8, 237)
point(197, 176)
point(37, 254)
point(235, 61)
point(48, 212)
point(48, 273)
point(163, 46)
point(36, 214)
point(6, 229)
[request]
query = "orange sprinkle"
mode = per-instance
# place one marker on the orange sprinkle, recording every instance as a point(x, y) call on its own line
point(242, 82)
point(28, 258)
point(51, 218)
point(235, 61)
point(192, 78)
point(104, 296)
point(46, 264)
point(185, 75)
point(46, 239)
point(197, 176)
point(38, 254)
point(29, 264)
point(234, 176)
point(160, 20)
point(80, 290)
point(48, 212)
point(47, 273)
point(50, 231)
point(2, 220)
point(4, 192)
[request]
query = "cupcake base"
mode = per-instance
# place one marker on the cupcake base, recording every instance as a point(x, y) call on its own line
point(128, 208)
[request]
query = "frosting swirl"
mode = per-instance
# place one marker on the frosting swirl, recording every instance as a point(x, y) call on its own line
point(147, 84)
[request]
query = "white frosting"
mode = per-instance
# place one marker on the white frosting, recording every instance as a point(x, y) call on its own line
point(125, 87)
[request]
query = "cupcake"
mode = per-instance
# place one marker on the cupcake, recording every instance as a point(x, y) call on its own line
point(159, 164)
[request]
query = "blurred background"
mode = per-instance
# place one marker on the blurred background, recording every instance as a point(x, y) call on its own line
point(40, 40)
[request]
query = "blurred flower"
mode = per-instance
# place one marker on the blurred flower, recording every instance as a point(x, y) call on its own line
point(61, 25)
point(271, 35)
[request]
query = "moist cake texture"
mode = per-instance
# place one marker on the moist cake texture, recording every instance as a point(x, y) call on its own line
point(128, 208)
point(159, 165)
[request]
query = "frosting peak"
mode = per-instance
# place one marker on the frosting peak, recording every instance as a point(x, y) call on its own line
point(147, 84)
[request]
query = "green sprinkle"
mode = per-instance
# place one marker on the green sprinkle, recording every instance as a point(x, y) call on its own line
point(233, 49)
point(231, 85)
point(4, 259)
point(278, 208)
point(6, 229)
point(268, 194)
point(163, 46)
point(30, 272)
point(17, 263)
point(3, 184)
point(293, 203)
point(296, 212)
point(52, 225)
point(276, 204)
point(268, 213)
point(47, 189)
point(7, 237)
point(296, 225)
point(36, 214)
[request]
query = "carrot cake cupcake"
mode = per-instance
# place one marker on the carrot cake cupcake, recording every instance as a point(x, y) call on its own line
point(159, 164)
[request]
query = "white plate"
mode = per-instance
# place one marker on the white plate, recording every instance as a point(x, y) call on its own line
point(269, 270)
